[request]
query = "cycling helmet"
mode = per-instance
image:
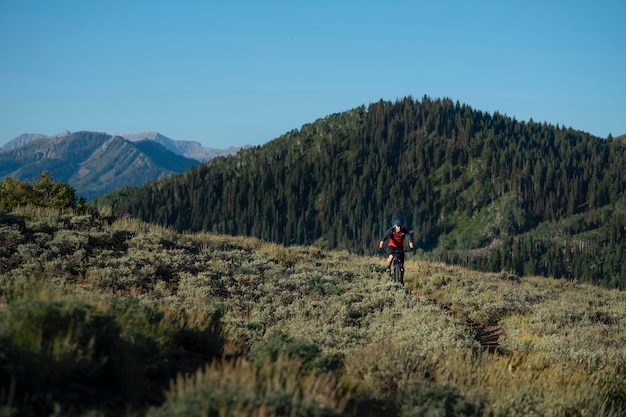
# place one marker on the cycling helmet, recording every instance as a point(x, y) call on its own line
point(398, 222)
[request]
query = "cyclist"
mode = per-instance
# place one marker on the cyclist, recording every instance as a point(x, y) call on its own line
point(396, 236)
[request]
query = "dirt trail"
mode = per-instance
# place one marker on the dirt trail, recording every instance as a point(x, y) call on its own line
point(486, 333)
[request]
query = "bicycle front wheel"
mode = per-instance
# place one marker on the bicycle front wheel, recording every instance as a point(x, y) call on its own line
point(398, 274)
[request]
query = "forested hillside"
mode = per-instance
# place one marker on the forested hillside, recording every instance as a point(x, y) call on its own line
point(478, 189)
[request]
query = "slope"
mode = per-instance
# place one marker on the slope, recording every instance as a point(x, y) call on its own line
point(100, 316)
point(470, 184)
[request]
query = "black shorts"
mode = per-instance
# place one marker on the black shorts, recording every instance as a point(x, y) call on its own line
point(398, 251)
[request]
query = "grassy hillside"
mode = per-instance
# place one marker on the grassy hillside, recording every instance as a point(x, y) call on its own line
point(120, 317)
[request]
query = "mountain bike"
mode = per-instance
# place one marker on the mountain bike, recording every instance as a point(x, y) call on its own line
point(397, 265)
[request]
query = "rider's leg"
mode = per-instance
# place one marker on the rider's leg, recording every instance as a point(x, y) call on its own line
point(389, 260)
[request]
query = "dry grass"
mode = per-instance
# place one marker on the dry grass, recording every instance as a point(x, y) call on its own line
point(240, 388)
point(562, 320)
point(390, 349)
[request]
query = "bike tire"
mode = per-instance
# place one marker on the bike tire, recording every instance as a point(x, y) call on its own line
point(397, 275)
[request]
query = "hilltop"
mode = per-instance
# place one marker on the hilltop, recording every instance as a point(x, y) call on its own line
point(124, 315)
point(481, 190)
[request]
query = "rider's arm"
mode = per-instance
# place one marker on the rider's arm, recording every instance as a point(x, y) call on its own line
point(385, 237)
point(408, 234)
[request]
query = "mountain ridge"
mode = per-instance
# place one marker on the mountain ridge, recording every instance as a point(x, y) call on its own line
point(479, 189)
point(189, 149)
point(95, 163)
point(25, 138)
point(91, 162)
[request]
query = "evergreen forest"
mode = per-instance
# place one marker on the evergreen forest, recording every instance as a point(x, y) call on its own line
point(477, 189)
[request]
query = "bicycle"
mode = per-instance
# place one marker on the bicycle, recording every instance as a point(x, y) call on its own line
point(397, 265)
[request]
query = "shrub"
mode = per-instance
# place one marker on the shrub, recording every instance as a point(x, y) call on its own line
point(240, 388)
point(277, 344)
point(67, 352)
point(423, 399)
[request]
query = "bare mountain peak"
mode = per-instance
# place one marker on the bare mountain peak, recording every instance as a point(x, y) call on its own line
point(25, 138)
point(149, 135)
point(187, 148)
point(62, 134)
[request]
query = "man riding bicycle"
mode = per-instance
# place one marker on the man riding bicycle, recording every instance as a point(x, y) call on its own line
point(396, 236)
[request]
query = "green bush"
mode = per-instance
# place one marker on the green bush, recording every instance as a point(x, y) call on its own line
point(66, 351)
point(241, 388)
point(435, 401)
point(277, 344)
point(42, 192)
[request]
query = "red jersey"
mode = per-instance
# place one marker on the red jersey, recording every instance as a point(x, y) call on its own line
point(396, 237)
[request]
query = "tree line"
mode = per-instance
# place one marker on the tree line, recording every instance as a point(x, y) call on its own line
point(480, 189)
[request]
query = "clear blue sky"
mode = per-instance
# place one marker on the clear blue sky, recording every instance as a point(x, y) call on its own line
point(244, 72)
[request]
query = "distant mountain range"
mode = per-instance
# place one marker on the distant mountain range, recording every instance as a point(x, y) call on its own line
point(186, 148)
point(97, 163)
